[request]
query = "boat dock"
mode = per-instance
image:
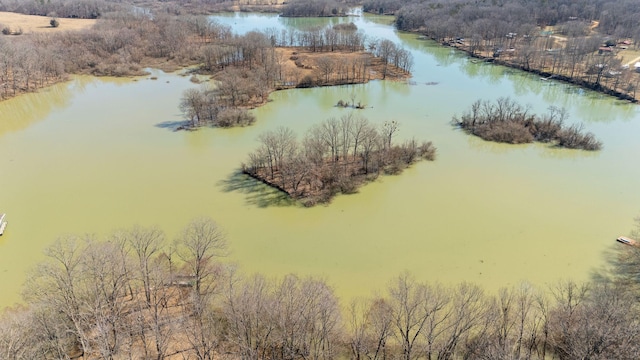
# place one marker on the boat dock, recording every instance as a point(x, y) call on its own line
point(3, 223)
point(627, 241)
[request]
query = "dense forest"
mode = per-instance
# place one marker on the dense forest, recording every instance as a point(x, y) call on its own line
point(576, 41)
point(133, 295)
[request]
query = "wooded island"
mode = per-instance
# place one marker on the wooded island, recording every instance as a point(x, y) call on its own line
point(509, 122)
point(336, 156)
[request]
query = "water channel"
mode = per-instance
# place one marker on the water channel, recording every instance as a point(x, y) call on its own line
point(95, 154)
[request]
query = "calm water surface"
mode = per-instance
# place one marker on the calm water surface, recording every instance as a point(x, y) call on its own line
point(94, 155)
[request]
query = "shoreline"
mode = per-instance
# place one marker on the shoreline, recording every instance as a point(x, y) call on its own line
point(545, 74)
point(191, 69)
point(244, 171)
point(550, 76)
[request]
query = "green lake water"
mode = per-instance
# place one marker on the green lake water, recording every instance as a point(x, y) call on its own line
point(97, 154)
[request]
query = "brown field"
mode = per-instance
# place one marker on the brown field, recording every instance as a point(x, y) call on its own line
point(34, 23)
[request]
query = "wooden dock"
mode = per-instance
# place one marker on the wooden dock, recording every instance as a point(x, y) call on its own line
point(627, 241)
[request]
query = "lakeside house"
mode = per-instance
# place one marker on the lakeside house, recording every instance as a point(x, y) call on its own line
point(605, 50)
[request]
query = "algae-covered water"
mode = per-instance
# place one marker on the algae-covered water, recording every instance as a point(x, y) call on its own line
point(93, 155)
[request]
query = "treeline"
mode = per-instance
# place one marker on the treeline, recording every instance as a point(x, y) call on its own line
point(258, 49)
point(392, 54)
point(310, 8)
point(313, 8)
point(122, 43)
point(580, 49)
point(344, 37)
point(26, 67)
point(125, 42)
point(93, 9)
point(132, 295)
point(507, 121)
point(615, 18)
point(336, 156)
point(83, 9)
point(382, 7)
point(248, 67)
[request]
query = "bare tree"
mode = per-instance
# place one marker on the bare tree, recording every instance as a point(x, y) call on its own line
point(249, 306)
point(193, 105)
point(388, 131)
point(592, 323)
point(162, 328)
point(200, 243)
point(17, 335)
point(145, 243)
point(57, 283)
point(358, 326)
point(307, 319)
point(327, 66)
point(105, 265)
point(468, 306)
point(380, 323)
point(201, 328)
point(331, 130)
point(408, 302)
point(346, 138)
point(385, 50)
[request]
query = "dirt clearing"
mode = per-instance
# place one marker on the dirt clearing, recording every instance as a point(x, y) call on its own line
point(300, 62)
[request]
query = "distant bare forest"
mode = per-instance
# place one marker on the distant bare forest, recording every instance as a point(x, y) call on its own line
point(590, 43)
point(576, 41)
point(126, 39)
